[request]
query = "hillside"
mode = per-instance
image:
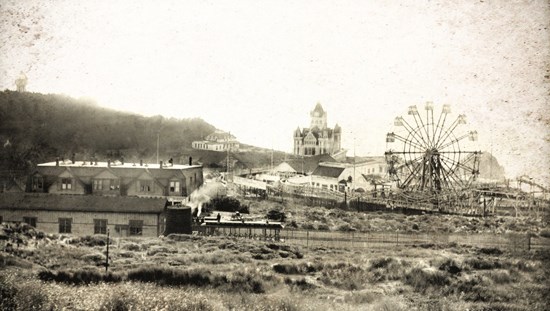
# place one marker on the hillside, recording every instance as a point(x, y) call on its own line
point(489, 168)
point(37, 127)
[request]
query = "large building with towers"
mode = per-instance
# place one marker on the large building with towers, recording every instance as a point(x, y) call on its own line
point(318, 138)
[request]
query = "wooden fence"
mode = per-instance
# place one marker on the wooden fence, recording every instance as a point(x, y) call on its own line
point(359, 240)
point(370, 240)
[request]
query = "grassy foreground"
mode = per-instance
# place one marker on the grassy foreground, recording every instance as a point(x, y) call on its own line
point(180, 272)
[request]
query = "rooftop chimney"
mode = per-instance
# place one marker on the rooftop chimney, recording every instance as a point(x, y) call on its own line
point(160, 164)
point(122, 160)
point(109, 163)
point(57, 161)
point(190, 161)
point(73, 157)
point(140, 162)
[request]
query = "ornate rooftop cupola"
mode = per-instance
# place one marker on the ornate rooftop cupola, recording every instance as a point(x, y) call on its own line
point(318, 117)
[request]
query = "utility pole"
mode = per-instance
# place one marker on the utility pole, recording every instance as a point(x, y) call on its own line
point(353, 181)
point(158, 143)
point(107, 255)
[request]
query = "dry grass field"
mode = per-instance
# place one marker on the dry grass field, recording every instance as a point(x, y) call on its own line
point(186, 272)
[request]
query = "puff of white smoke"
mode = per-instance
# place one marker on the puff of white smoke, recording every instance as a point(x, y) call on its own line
point(203, 195)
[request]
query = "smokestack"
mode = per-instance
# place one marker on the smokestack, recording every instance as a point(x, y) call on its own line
point(190, 161)
point(140, 162)
point(109, 163)
point(122, 160)
point(57, 161)
point(160, 164)
point(73, 158)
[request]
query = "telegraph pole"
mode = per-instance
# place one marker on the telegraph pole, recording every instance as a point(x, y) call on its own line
point(107, 255)
point(158, 143)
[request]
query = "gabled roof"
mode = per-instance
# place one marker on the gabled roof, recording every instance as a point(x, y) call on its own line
point(12, 185)
point(81, 203)
point(328, 171)
point(307, 165)
point(318, 108)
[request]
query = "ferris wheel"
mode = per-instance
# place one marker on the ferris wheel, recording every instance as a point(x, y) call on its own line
point(431, 158)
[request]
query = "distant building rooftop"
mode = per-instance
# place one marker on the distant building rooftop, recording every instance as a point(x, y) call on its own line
point(117, 164)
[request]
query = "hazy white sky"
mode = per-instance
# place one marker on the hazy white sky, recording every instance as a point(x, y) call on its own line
point(257, 68)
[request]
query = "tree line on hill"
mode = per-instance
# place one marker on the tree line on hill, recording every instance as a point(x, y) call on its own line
point(36, 128)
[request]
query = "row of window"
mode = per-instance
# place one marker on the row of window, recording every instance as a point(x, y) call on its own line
point(108, 185)
point(381, 169)
point(134, 227)
point(325, 186)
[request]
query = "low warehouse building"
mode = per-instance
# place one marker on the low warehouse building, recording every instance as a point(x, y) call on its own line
point(85, 214)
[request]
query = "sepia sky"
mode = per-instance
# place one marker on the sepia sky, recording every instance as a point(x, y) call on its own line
point(257, 68)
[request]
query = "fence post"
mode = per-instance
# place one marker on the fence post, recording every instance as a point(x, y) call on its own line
point(397, 238)
point(528, 241)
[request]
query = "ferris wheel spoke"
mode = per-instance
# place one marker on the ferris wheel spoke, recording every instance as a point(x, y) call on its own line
point(436, 141)
point(456, 140)
point(461, 165)
point(452, 174)
point(411, 167)
point(419, 127)
point(413, 132)
point(407, 141)
point(449, 176)
point(410, 178)
point(448, 131)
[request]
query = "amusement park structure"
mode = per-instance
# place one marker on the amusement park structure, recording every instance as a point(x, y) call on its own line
point(429, 161)
point(433, 162)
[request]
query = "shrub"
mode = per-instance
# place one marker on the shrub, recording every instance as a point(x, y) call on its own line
point(9, 260)
point(8, 295)
point(131, 247)
point(79, 277)
point(276, 215)
point(244, 282)
point(346, 228)
point(385, 269)
point(378, 263)
point(160, 250)
point(118, 303)
point(297, 268)
point(502, 276)
point(490, 251)
point(482, 264)
point(348, 278)
point(323, 227)
point(421, 280)
point(301, 284)
point(31, 297)
point(545, 233)
point(91, 240)
point(96, 258)
point(450, 266)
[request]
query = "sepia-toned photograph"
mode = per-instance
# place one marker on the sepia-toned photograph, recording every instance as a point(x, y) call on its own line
point(269, 155)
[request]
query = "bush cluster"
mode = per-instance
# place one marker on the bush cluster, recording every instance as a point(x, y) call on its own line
point(79, 277)
point(239, 281)
point(91, 240)
point(422, 280)
point(297, 268)
point(24, 297)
